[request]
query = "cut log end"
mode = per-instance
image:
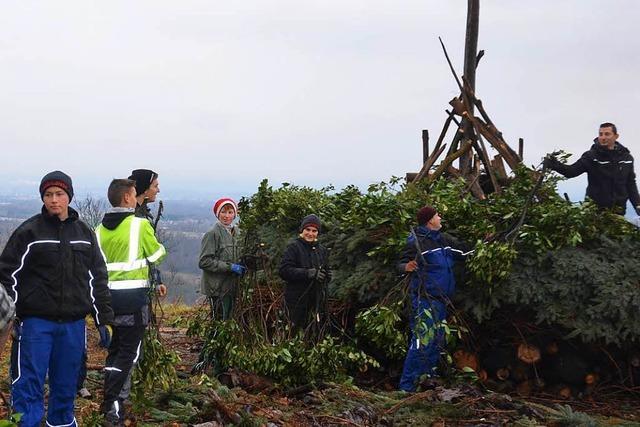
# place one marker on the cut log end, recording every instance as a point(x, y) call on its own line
point(591, 379)
point(552, 348)
point(503, 373)
point(464, 359)
point(564, 393)
point(528, 353)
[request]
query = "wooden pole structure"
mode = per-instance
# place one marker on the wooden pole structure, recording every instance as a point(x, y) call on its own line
point(425, 145)
point(470, 60)
point(521, 148)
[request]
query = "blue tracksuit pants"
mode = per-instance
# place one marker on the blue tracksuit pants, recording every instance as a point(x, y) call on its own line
point(422, 358)
point(45, 346)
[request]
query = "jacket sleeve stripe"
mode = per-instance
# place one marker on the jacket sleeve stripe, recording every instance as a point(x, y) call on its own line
point(126, 266)
point(18, 363)
point(100, 245)
point(459, 251)
point(24, 256)
point(84, 242)
point(93, 299)
point(432, 250)
point(156, 256)
point(134, 238)
point(117, 285)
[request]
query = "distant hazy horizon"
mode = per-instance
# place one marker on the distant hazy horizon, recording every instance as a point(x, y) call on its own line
point(217, 95)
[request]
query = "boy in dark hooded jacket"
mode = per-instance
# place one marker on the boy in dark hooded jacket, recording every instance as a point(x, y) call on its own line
point(304, 268)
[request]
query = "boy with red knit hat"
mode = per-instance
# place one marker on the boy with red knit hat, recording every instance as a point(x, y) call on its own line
point(220, 259)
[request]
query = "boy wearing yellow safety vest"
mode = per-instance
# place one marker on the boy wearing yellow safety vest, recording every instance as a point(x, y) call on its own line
point(129, 245)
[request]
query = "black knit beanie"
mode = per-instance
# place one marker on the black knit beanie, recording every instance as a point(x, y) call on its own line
point(310, 220)
point(143, 179)
point(57, 179)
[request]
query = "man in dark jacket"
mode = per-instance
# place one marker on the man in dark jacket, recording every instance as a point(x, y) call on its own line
point(609, 168)
point(53, 269)
point(304, 268)
point(431, 287)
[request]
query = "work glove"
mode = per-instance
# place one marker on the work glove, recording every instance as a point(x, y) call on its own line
point(311, 273)
point(105, 332)
point(238, 269)
point(321, 275)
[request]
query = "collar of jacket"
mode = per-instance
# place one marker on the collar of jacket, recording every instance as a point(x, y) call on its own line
point(310, 244)
point(73, 215)
point(422, 230)
point(113, 219)
point(616, 148)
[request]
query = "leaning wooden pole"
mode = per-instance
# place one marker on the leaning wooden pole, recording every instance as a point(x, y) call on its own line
point(470, 60)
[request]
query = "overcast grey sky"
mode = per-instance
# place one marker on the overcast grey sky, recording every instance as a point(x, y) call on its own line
point(218, 95)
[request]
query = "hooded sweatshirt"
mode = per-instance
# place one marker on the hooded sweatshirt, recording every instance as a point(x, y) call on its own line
point(129, 245)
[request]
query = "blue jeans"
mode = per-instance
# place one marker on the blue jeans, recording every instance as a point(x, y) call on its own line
point(43, 346)
point(422, 358)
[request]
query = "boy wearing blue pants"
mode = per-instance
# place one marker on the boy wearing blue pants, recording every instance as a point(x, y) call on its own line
point(429, 259)
point(53, 269)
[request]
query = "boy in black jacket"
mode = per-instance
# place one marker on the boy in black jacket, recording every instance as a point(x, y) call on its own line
point(53, 269)
point(304, 267)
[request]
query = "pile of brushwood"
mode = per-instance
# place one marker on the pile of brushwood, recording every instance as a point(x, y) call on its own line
point(548, 303)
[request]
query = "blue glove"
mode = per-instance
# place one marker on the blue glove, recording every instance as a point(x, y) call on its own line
point(239, 269)
point(105, 335)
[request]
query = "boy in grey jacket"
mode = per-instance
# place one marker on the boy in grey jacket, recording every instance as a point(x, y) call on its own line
point(220, 260)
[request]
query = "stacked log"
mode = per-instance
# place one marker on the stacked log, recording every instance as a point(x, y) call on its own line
point(538, 365)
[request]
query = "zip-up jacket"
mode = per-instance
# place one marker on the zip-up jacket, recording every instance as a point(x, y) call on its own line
point(220, 248)
point(297, 259)
point(129, 245)
point(54, 270)
point(610, 175)
point(434, 277)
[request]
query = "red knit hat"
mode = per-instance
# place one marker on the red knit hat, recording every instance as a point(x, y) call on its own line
point(221, 203)
point(425, 214)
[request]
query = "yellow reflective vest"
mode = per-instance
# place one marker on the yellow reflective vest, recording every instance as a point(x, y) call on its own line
point(128, 250)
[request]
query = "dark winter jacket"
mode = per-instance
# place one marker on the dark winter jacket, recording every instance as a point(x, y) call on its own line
point(54, 270)
point(297, 259)
point(612, 180)
point(434, 277)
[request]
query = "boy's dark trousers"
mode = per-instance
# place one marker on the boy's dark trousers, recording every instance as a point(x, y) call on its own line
point(124, 352)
